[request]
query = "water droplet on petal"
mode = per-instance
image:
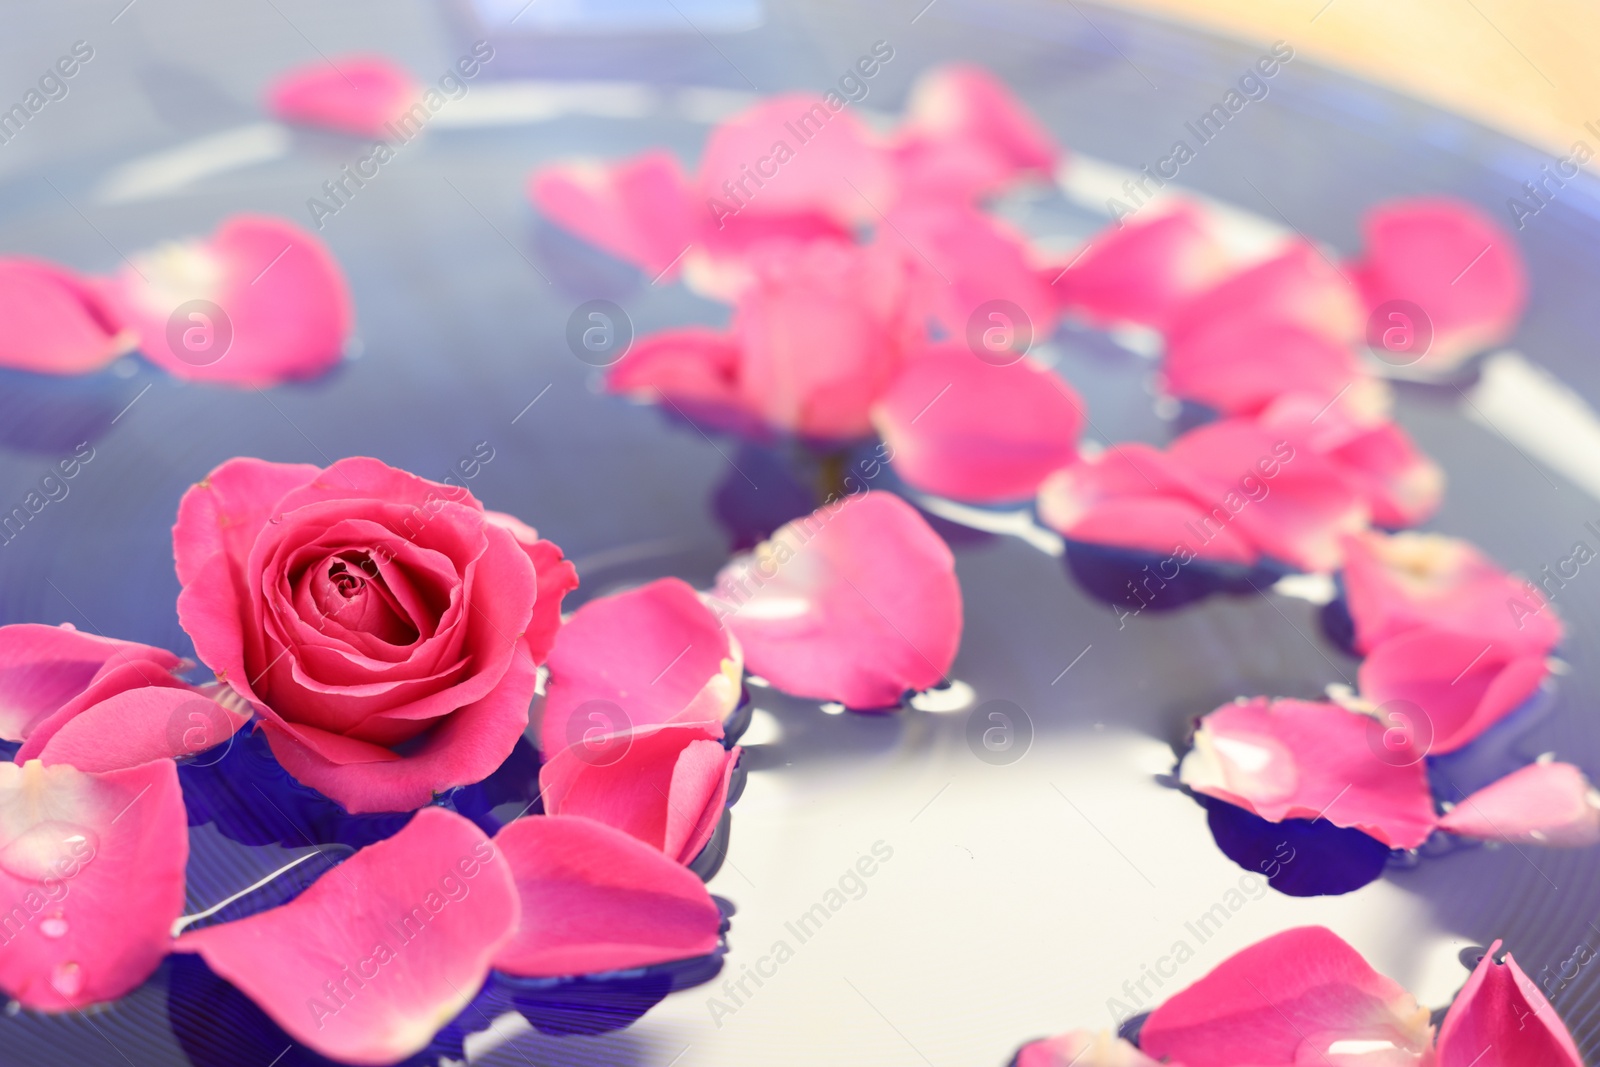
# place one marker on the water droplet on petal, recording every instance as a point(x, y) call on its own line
point(47, 849)
point(53, 926)
point(13, 1007)
point(67, 978)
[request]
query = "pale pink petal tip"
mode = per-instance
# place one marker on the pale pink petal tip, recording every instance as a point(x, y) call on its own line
point(92, 868)
point(966, 135)
point(1410, 580)
point(595, 899)
point(259, 302)
point(856, 603)
point(1082, 1048)
point(57, 322)
point(1142, 271)
point(1300, 997)
point(963, 428)
point(1452, 263)
point(379, 954)
point(1457, 685)
point(1500, 1008)
point(640, 210)
point(359, 95)
point(1544, 803)
point(1291, 759)
point(651, 655)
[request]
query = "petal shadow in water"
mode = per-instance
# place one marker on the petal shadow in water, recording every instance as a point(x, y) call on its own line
point(1298, 857)
point(46, 415)
point(1135, 581)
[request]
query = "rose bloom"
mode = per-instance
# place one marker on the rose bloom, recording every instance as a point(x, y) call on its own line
point(386, 628)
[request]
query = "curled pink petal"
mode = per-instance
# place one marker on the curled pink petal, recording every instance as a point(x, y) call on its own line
point(1240, 365)
point(963, 428)
point(793, 154)
point(1292, 759)
point(1400, 485)
point(1083, 1048)
point(133, 712)
point(1130, 497)
point(1544, 803)
point(640, 210)
point(56, 321)
point(1298, 285)
point(665, 785)
point(1293, 504)
point(1454, 263)
point(1460, 684)
point(1400, 582)
point(367, 964)
point(360, 95)
point(44, 668)
point(260, 302)
point(1297, 998)
point(966, 135)
point(857, 603)
point(91, 868)
point(650, 655)
point(1142, 271)
point(595, 899)
point(1500, 1008)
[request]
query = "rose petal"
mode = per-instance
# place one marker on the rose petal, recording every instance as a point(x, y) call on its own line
point(826, 152)
point(656, 653)
point(857, 602)
point(359, 95)
point(1240, 365)
point(1083, 1048)
point(91, 868)
point(967, 262)
point(965, 135)
point(556, 576)
point(692, 370)
point(962, 428)
point(665, 785)
point(595, 899)
point(56, 321)
point(1544, 803)
point(42, 668)
point(1461, 684)
point(1409, 580)
point(1298, 285)
point(274, 305)
point(368, 963)
point(1292, 759)
point(640, 210)
point(1142, 271)
point(1300, 997)
point(1500, 1008)
point(1298, 514)
point(1451, 260)
point(821, 332)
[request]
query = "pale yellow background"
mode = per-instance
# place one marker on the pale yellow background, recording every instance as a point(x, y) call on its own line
point(1529, 67)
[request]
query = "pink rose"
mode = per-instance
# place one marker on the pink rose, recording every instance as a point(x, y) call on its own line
point(387, 628)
